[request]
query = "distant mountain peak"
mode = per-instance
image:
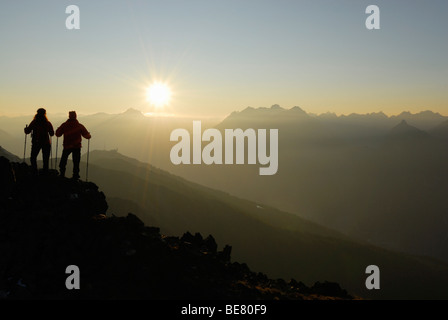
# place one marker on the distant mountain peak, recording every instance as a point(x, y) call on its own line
point(327, 114)
point(262, 111)
point(403, 126)
point(273, 113)
point(429, 112)
point(405, 130)
point(133, 112)
point(379, 114)
point(297, 110)
point(426, 114)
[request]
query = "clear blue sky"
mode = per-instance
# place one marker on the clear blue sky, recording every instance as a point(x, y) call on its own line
point(221, 56)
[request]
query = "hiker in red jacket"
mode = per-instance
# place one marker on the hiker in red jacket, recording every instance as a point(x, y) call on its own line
point(73, 132)
point(42, 130)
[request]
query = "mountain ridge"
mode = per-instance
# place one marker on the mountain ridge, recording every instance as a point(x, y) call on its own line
point(8, 155)
point(119, 257)
point(404, 130)
point(283, 248)
point(428, 117)
point(247, 225)
point(346, 176)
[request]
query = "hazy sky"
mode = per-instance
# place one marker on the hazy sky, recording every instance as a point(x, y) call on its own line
point(222, 56)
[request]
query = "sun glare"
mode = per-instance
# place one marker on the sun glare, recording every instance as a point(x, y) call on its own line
point(158, 94)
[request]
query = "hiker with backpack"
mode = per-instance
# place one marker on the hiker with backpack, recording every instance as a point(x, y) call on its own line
point(41, 130)
point(73, 131)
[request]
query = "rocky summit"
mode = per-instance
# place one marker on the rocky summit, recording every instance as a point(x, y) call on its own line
point(48, 223)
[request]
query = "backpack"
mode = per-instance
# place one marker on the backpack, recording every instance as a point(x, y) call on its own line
point(40, 133)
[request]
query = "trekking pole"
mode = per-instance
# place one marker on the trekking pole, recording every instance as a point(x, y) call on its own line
point(51, 153)
point(87, 167)
point(24, 148)
point(56, 159)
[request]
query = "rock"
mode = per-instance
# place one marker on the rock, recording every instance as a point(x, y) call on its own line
point(133, 220)
point(331, 289)
point(187, 237)
point(7, 177)
point(48, 223)
point(210, 244)
point(224, 255)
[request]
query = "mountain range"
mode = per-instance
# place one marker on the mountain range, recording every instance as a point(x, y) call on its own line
point(136, 134)
point(280, 244)
point(376, 178)
point(373, 180)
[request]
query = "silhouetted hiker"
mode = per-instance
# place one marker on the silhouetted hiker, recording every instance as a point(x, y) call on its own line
point(41, 130)
point(72, 131)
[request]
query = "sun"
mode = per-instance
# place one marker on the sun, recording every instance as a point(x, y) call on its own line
point(158, 94)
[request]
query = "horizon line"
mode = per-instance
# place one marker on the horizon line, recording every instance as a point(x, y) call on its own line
point(222, 117)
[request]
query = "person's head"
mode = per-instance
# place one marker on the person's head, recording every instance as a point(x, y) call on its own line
point(72, 115)
point(41, 114)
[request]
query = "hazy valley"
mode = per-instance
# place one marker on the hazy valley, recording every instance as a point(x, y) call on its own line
point(377, 179)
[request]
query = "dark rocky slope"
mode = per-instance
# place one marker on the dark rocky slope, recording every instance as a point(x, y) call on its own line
point(48, 223)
